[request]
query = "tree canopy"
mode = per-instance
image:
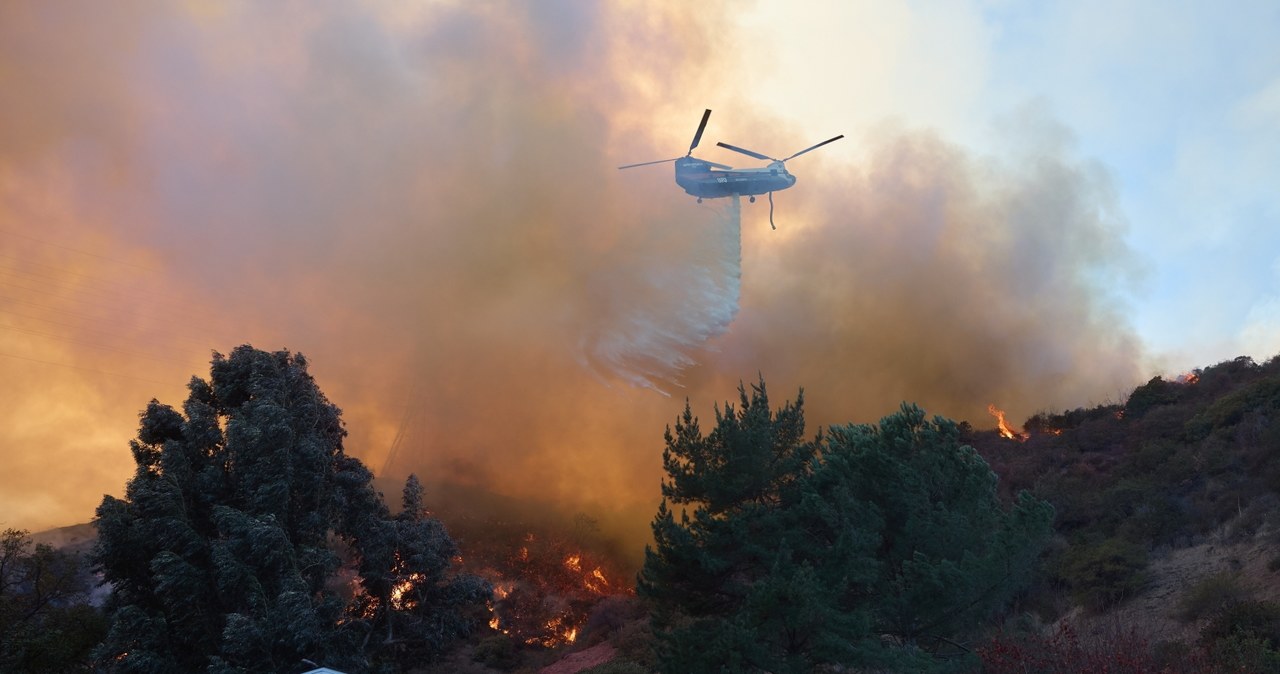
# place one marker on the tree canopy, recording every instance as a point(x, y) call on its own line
point(249, 541)
point(801, 553)
point(46, 622)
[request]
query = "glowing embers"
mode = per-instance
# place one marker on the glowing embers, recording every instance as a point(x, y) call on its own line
point(544, 589)
point(398, 600)
point(1002, 425)
point(594, 580)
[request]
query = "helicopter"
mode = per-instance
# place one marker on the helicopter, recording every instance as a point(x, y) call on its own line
point(700, 178)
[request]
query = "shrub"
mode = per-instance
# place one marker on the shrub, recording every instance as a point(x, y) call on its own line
point(498, 651)
point(635, 642)
point(1210, 595)
point(1062, 652)
point(1245, 654)
point(1247, 619)
point(1102, 574)
point(608, 616)
point(617, 667)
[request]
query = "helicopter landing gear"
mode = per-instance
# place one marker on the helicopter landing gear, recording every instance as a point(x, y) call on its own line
point(753, 199)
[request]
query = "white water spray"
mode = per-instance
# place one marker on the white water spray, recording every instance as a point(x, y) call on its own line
point(649, 344)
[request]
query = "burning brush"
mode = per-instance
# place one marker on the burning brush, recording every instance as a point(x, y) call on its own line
point(544, 586)
point(1002, 425)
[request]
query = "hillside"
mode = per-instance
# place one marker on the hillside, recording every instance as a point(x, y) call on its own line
point(1166, 546)
point(1167, 506)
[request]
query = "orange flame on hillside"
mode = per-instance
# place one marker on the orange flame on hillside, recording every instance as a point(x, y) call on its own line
point(1187, 378)
point(544, 602)
point(1003, 426)
point(596, 582)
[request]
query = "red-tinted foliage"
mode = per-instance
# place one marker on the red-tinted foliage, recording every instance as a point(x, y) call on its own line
point(1063, 652)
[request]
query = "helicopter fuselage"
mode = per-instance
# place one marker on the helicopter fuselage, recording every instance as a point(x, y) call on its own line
point(701, 180)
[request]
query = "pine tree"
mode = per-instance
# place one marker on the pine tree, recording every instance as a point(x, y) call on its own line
point(222, 553)
point(949, 553)
point(803, 554)
point(737, 585)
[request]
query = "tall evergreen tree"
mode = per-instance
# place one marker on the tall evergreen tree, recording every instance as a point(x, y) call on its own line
point(801, 554)
point(221, 554)
point(738, 588)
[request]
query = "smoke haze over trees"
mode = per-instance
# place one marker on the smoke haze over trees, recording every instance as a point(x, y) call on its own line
point(427, 203)
point(248, 541)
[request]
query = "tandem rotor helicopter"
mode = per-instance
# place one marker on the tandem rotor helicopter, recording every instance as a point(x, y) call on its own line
point(701, 178)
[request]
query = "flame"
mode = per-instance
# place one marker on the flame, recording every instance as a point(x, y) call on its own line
point(543, 588)
point(1187, 378)
point(1005, 430)
point(595, 581)
point(558, 632)
point(398, 590)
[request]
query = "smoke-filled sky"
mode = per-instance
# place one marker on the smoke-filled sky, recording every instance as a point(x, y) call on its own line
point(1033, 207)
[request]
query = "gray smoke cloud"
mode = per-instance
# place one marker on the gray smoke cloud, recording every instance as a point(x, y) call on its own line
point(426, 203)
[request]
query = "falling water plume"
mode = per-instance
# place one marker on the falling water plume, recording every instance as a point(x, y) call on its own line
point(650, 344)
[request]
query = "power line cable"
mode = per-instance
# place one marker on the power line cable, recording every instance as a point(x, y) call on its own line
point(91, 345)
point(159, 314)
point(109, 334)
point(81, 367)
point(201, 341)
point(76, 250)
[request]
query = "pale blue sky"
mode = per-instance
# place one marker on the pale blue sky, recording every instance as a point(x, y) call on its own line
point(1181, 102)
point(1178, 102)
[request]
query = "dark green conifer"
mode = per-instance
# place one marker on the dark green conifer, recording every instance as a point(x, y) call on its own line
point(805, 554)
point(222, 553)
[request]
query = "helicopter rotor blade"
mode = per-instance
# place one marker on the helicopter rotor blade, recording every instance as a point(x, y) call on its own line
point(814, 147)
point(749, 153)
point(701, 127)
point(646, 163)
point(719, 166)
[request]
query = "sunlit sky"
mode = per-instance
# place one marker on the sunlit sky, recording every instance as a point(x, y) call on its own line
point(1178, 102)
point(1039, 205)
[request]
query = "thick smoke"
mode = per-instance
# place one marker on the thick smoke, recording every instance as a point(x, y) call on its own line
point(935, 276)
point(427, 205)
